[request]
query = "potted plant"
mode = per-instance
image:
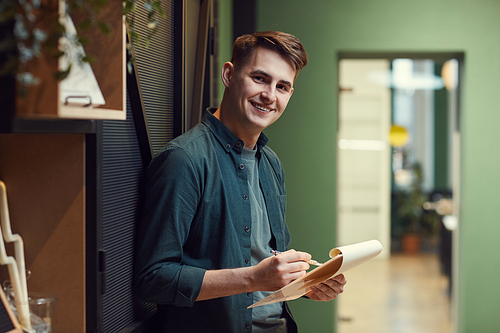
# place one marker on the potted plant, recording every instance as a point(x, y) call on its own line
point(22, 40)
point(410, 211)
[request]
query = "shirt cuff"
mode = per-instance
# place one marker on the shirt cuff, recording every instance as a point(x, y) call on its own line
point(189, 285)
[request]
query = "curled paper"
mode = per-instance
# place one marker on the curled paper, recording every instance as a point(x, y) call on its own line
point(342, 259)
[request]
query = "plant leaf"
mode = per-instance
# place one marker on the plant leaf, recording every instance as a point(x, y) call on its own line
point(85, 25)
point(61, 75)
point(89, 58)
point(104, 27)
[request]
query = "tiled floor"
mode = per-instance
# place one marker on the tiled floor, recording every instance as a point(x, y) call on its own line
point(404, 294)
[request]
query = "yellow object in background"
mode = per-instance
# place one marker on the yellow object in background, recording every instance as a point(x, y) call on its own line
point(398, 136)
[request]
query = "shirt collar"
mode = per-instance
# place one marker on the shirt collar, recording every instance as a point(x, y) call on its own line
point(225, 137)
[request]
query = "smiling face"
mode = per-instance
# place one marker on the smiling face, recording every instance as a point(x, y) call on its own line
point(256, 93)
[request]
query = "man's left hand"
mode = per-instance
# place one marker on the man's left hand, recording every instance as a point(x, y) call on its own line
point(327, 290)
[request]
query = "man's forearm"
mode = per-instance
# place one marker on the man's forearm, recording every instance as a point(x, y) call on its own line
point(226, 282)
point(270, 274)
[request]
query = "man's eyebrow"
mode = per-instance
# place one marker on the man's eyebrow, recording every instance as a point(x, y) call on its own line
point(285, 82)
point(261, 72)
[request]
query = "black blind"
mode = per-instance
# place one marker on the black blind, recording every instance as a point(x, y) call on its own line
point(155, 67)
point(122, 177)
point(123, 171)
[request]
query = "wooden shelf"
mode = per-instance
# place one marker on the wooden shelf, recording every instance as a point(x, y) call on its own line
point(43, 100)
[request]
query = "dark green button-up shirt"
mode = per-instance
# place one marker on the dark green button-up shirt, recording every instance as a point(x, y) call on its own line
point(197, 217)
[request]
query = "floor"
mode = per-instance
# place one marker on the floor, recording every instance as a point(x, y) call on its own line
point(404, 294)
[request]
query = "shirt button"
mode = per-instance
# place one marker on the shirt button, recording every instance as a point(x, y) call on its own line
point(249, 294)
point(247, 229)
point(247, 261)
point(238, 143)
point(245, 197)
point(247, 325)
point(228, 145)
point(241, 166)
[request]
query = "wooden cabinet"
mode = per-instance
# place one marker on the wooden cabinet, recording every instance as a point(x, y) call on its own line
point(45, 99)
point(46, 197)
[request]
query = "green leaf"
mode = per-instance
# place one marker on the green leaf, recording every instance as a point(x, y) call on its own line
point(135, 36)
point(61, 75)
point(84, 40)
point(100, 3)
point(134, 6)
point(159, 9)
point(60, 28)
point(162, 13)
point(128, 7)
point(104, 27)
point(60, 54)
point(89, 58)
point(7, 14)
point(85, 25)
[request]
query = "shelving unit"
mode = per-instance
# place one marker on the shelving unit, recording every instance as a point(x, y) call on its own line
point(74, 174)
point(50, 163)
point(43, 100)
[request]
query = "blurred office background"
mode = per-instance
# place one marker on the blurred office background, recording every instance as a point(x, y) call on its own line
point(391, 134)
point(452, 134)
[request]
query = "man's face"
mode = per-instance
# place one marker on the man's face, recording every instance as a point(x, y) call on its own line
point(259, 91)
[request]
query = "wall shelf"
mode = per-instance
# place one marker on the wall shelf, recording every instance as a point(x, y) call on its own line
point(44, 101)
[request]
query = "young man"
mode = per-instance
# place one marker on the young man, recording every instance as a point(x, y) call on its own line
point(215, 205)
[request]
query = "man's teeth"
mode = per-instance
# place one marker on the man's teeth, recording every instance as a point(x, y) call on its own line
point(261, 107)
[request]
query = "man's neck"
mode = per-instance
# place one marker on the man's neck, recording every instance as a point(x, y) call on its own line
point(249, 139)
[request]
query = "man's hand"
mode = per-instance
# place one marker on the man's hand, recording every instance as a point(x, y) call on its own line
point(277, 271)
point(270, 274)
point(327, 290)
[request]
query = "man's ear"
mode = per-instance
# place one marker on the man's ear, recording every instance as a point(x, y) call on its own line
point(227, 73)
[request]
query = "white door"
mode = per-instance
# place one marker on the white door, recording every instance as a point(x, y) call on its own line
point(363, 152)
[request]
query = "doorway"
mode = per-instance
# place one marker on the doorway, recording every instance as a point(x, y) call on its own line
point(398, 171)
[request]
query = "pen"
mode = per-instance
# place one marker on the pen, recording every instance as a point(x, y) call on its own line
point(311, 262)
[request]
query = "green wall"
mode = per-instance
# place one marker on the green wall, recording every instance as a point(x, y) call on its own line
point(225, 37)
point(305, 136)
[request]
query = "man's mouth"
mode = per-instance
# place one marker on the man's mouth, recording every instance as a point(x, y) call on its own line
point(260, 107)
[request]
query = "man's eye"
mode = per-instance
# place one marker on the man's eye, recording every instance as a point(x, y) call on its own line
point(282, 87)
point(258, 78)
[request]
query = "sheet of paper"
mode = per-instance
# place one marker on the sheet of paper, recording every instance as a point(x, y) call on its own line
point(80, 87)
point(343, 259)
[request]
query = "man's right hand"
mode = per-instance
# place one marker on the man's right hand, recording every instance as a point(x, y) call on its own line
point(270, 274)
point(277, 271)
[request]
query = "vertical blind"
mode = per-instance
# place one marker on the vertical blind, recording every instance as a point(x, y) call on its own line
point(123, 172)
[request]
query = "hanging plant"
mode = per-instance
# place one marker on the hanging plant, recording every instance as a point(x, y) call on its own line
point(22, 40)
point(154, 12)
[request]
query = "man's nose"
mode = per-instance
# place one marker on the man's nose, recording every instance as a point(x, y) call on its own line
point(269, 94)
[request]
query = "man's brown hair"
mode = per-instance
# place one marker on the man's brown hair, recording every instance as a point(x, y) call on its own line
point(285, 44)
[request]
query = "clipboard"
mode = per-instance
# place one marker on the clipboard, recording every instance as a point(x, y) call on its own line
point(8, 320)
point(342, 259)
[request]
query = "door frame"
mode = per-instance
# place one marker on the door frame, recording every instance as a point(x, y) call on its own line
point(455, 136)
